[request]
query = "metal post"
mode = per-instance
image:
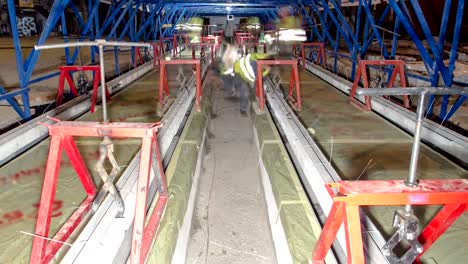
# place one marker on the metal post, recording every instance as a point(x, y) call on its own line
point(416, 143)
point(103, 84)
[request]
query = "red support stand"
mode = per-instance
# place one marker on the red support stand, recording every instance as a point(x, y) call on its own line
point(294, 84)
point(348, 196)
point(62, 134)
point(398, 68)
point(164, 86)
point(240, 35)
point(157, 51)
point(65, 74)
point(322, 57)
point(138, 58)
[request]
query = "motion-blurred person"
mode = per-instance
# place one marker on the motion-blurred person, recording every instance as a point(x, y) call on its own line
point(289, 31)
point(193, 27)
point(254, 27)
point(240, 74)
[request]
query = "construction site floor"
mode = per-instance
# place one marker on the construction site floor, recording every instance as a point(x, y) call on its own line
point(21, 179)
point(364, 146)
point(230, 222)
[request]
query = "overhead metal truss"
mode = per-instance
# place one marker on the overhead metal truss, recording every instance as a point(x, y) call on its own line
point(149, 20)
point(330, 26)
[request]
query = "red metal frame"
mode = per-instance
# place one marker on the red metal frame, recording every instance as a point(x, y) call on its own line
point(294, 83)
point(157, 50)
point(164, 86)
point(62, 134)
point(240, 35)
point(137, 58)
point(399, 68)
point(322, 57)
point(348, 196)
point(255, 44)
point(214, 41)
point(65, 74)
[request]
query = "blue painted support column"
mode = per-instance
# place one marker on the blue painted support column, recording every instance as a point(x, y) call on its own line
point(453, 56)
point(68, 60)
point(357, 29)
point(10, 98)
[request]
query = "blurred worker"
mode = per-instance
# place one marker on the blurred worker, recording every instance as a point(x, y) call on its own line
point(290, 31)
point(193, 27)
point(240, 74)
point(253, 26)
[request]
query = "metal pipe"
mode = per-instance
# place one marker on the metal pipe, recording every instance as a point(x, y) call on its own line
point(411, 181)
point(413, 91)
point(103, 84)
point(91, 43)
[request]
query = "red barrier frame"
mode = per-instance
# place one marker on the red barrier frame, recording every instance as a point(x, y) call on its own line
point(211, 40)
point(294, 83)
point(62, 134)
point(348, 196)
point(65, 74)
point(137, 58)
point(399, 68)
point(164, 86)
point(322, 57)
point(239, 35)
point(157, 50)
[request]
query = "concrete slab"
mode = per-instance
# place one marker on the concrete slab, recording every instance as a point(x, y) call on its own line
point(230, 223)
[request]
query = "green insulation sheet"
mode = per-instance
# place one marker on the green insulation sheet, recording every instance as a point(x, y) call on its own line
point(364, 146)
point(299, 222)
point(179, 175)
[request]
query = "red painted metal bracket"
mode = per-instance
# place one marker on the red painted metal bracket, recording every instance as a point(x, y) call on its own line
point(321, 56)
point(348, 196)
point(157, 51)
point(240, 35)
point(294, 83)
point(214, 41)
point(65, 74)
point(62, 134)
point(398, 68)
point(164, 86)
point(138, 60)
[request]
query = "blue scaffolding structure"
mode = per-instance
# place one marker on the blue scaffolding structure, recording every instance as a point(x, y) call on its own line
point(149, 20)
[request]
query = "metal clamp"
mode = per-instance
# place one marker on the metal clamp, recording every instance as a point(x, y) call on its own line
point(106, 150)
point(407, 229)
